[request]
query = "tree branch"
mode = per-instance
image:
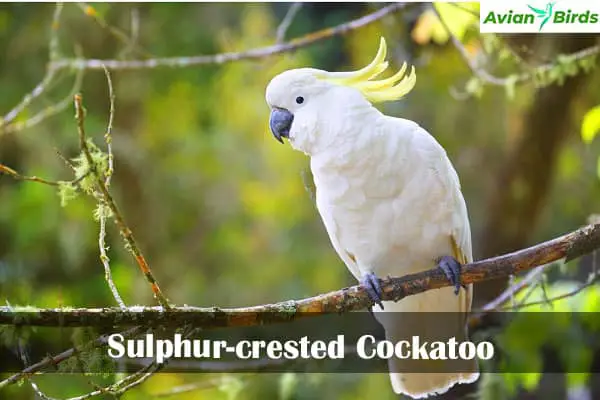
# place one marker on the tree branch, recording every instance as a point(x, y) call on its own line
point(112, 205)
point(48, 77)
point(488, 78)
point(9, 171)
point(121, 36)
point(14, 174)
point(65, 355)
point(287, 21)
point(104, 259)
point(569, 246)
point(222, 58)
point(8, 123)
point(513, 290)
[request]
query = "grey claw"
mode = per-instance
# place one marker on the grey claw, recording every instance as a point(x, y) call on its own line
point(373, 287)
point(451, 268)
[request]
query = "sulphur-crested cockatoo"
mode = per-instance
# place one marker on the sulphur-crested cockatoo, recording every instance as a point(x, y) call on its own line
point(388, 196)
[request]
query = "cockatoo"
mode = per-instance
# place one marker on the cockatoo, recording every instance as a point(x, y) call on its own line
point(388, 196)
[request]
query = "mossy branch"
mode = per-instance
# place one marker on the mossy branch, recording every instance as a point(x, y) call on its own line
point(107, 198)
point(569, 246)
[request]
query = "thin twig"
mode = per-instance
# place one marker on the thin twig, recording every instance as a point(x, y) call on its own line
point(61, 357)
point(542, 286)
point(64, 159)
point(109, 127)
point(513, 290)
point(110, 203)
point(138, 379)
point(9, 171)
point(257, 53)
point(48, 77)
point(511, 281)
point(39, 392)
point(54, 47)
point(48, 111)
point(146, 372)
point(569, 246)
point(479, 72)
point(134, 32)
point(102, 234)
point(592, 279)
point(130, 43)
point(116, 389)
point(14, 174)
point(286, 22)
point(119, 388)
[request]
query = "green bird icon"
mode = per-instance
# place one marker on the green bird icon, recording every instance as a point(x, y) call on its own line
point(545, 14)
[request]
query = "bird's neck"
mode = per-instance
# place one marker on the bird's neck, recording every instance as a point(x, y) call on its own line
point(346, 141)
point(346, 132)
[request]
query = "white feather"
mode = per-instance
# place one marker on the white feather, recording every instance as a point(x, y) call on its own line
point(389, 198)
point(391, 202)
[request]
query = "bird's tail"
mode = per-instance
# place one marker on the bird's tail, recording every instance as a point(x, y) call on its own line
point(435, 315)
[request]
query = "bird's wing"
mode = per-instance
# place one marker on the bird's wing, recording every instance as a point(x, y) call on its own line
point(461, 235)
point(460, 229)
point(540, 13)
point(466, 295)
point(460, 240)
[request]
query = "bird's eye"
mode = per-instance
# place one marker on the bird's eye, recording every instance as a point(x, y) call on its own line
point(299, 99)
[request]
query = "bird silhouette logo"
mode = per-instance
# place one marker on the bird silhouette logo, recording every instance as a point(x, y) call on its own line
point(545, 15)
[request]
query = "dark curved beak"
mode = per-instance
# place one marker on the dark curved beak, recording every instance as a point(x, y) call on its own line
point(280, 123)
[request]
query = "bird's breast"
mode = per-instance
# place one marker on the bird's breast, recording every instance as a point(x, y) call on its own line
point(385, 211)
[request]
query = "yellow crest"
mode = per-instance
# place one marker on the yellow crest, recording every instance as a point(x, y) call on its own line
point(376, 91)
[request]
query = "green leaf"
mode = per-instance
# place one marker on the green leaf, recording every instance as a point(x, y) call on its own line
point(590, 125)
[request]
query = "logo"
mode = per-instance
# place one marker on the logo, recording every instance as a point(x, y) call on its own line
point(514, 16)
point(545, 15)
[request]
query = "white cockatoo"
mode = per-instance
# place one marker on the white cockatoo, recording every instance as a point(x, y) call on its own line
point(387, 194)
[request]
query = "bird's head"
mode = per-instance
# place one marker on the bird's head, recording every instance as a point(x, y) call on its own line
point(307, 103)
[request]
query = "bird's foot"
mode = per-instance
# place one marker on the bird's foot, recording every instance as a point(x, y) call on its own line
point(373, 287)
point(451, 268)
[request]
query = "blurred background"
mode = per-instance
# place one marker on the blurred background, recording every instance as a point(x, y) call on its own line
point(222, 212)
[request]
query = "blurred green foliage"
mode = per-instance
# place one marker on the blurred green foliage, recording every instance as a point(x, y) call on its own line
point(219, 207)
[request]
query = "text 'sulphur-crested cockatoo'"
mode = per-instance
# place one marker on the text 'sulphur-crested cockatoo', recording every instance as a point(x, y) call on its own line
point(387, 193)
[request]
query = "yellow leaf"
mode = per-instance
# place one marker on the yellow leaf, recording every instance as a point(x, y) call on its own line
point(423, 29)
point(91, 11)
point(590, 125)
point(458, 19)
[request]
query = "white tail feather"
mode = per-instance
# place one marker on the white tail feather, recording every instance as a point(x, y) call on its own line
point(423, 384)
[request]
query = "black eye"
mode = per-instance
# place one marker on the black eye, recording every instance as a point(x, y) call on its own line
point(299, 99)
